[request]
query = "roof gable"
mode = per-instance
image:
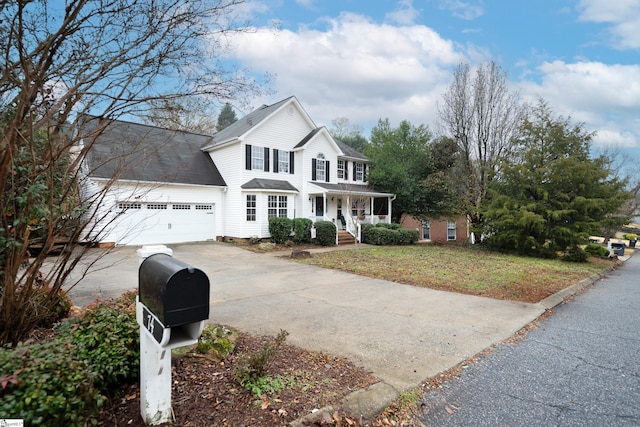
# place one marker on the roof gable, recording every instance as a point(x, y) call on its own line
point(247, 124)
point(131, 151)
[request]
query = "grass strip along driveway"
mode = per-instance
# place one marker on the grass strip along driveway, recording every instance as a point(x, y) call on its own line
point(461, 269)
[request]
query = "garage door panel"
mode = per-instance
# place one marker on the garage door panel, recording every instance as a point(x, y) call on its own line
point(155, 223)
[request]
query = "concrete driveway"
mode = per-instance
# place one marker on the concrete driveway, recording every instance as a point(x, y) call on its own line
point(402, 334)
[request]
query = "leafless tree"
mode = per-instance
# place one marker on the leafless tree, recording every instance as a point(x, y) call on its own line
point(60, 60)
point(482, 115)
point(190, 114)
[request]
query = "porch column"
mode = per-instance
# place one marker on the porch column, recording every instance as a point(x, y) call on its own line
point(371, 199)
point(389, 208)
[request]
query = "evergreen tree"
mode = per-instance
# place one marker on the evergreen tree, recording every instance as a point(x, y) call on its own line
point(227, 117)
point(554, 194)
point(403, 164)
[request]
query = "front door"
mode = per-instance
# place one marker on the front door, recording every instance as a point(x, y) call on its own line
point(320, 206)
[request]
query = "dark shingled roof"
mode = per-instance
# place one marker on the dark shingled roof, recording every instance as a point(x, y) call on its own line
point(268, 184)
point(350, 152)
point(242, 126)
point(136, 152)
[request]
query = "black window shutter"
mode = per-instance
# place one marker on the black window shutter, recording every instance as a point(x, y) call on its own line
point(266, 159)
point(313, 169)
point(354, 171)
point(291, 157)
point(326, 170)
point(247, 164)
point(275, 160)
point(364, 177)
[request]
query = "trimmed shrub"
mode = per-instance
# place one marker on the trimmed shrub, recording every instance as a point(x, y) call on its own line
point(280, 229)
point(407, 237)
point(325, 233)
point(575, 254)
point(46, 385)
point(388, 234)
point(302, 230)
point(596, 250)
point(106, 339)
point(392, 226)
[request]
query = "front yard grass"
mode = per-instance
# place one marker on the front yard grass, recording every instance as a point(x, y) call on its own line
point(462, 269)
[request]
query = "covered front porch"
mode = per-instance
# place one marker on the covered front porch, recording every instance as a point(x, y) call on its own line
point(349, 206)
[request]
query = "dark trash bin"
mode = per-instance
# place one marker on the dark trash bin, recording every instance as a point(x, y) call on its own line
point(617, 248)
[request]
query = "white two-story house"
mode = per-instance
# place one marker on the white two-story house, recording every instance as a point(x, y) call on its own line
point(168, 186)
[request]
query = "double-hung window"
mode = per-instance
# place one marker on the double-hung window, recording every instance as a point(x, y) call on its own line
point(359, 173)
point(283, 161)
point(451, 230)
point(257, 158)
point(277, 206)
point(341, 171)
point(251, 207)
point(321, 170)
point(426, 230)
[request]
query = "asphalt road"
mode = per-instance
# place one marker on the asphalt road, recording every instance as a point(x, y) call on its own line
point(580, 367)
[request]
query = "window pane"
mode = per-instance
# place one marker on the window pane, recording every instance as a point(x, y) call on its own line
point(257, 157)
point(282, 206)
point(341, 169)
point(320, 170)
point(272, 209)
point(251, 207)
point(359, 171)
point(283, 161)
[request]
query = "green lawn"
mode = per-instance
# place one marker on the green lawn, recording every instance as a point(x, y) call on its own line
point(460, 269)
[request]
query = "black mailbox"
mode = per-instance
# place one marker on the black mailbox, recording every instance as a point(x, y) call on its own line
point(176, 293)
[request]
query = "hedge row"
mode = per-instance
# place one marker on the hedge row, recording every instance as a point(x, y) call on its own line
point(388, 234)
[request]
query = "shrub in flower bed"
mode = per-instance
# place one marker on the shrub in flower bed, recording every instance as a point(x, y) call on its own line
point(64, 380)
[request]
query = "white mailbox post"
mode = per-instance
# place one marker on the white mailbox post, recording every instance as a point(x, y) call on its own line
point(171, 309)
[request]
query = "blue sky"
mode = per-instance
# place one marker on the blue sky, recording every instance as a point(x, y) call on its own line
point(372, 59)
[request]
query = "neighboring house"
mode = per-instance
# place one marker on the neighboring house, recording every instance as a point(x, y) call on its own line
point(170, 186)
point(439, 230)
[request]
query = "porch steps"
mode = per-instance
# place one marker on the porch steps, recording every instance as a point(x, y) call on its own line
point(345, 238)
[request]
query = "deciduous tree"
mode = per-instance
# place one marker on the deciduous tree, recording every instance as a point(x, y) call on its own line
point(105, 57)
point(481, 114)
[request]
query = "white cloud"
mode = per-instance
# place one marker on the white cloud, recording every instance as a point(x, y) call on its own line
point(463, 9)
point(605, 97)
point(405, 14)
point(355, 68)
point(622, 15)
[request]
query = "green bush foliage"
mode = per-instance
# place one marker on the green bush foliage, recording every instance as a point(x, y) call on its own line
point(215, 339)
point(251, 369)
point(63, 381)
point(106, 338)
point(325, 233)
point(390, 226)
point(302, 230)
point(280, 229)
point(575, 254)
point(44, 384)
point(388, 234)
point(596, 250)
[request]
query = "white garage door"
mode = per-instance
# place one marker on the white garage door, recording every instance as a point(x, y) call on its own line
point(155, 223)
